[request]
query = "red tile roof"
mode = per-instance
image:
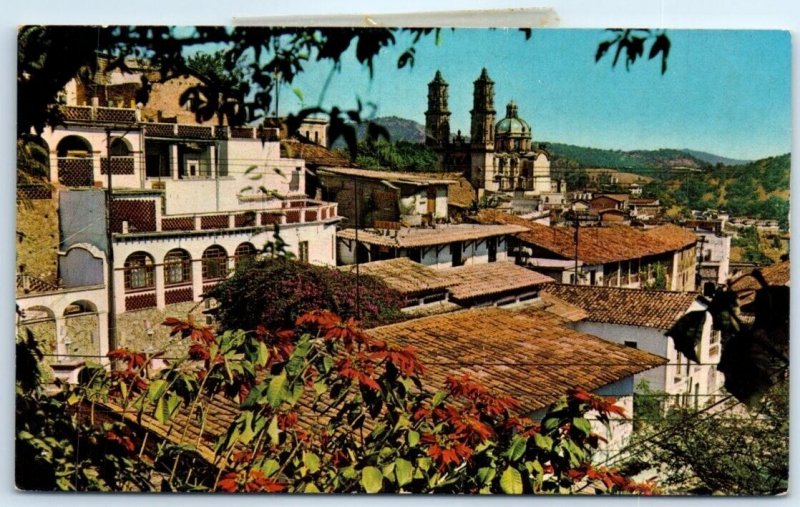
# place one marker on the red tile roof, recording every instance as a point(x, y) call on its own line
point(532, 357)
point(596, 245)
point(314, 154)
point(777, 274)
point(477, 280)
point(404, 275)
point(627, 307)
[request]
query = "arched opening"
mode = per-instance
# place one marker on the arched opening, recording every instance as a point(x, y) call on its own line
point(215, 263)
point(120, 157)
point(75, 168)
point(80, 334)
point(178, 277)
point(244, 254)
point(139, 272)
point(177, 267)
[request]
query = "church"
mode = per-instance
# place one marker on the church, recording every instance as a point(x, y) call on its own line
point(497, 157)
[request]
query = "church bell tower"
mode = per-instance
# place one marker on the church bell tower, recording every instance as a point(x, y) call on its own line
point(483, 113)
point(437, 117)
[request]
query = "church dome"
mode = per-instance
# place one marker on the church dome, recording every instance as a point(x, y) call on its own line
point(512, 124)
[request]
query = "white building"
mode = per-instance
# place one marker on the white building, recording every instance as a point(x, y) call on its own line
point(189, 203)
point(640, 319)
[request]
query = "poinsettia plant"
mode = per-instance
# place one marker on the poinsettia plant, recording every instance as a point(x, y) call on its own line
point(325, 407)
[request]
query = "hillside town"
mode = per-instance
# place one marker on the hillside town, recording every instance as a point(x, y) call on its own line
point(148, 212)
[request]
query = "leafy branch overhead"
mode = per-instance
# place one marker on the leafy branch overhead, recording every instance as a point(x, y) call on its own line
point(631, 44)
point(754, 329)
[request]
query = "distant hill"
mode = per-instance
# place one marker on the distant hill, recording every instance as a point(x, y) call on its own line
point(400, 129)
point(659, 163)
point(636, 161)
point(714, 159)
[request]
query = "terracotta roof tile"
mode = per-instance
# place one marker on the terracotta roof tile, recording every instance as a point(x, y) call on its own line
point(441, 235)
point(777, 274)
point(531, 357)
point(314, 154)
point(628, 307)
point(404, 275)
point(468, 282)
point(556, 306)
point(596, 245)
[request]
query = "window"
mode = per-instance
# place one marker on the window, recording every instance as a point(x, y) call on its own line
point(294, 183)
point(456, 253)
point(302, 251)
point(633, 345)
point(139, 269)
point(177, 267)
point(492, 245)
point(215, 263)
point(244, 254)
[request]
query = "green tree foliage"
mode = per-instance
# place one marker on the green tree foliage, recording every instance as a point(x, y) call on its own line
point(728, 450)
point(749, 241)
point(397, 156)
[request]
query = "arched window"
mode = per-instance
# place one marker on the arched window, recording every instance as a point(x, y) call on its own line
point(177, 267)
point(74, 146)
point(139, 270)
point(245, 253)
point(215, 263)
point(119, 148)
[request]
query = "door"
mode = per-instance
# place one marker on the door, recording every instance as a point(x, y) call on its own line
point(432, 201)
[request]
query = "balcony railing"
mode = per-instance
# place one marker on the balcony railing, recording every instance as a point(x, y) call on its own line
point(100, 114)
point(119, 165)
point(291, 212)
point(75, 171)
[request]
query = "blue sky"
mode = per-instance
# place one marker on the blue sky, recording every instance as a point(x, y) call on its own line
point(726, 92)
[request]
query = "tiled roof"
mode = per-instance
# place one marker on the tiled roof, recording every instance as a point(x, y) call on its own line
point(627, 307)
point(463, 282)
point(777, 274)
point(314, 154)
point(596, 245)
point(440, 235)
point(468, 282)
point(460, 192)
point(393, 176)
point(404, 275)
point(531, 357)
point(556, 306)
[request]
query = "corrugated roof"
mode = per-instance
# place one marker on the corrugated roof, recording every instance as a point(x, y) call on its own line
point(596, 245)
point(440, 235)
point(532, 357)
point(627, 307)
point(392, 176)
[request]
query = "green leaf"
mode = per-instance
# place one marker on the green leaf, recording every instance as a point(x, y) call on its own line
point(404, 471)
point(156, 390)
point(275, 390)
point(438, 398)
point(250, 170)
point(311, 461)
point(486, 475)
point(372, 479)
point(263, 354)
point(517, 448)
point(310, 488)
point(270, 466)
point(298, 93)
point(582, 424)
point(320, 387)
point(273, 431)
point(543, 442)
point(511, 481)
point(166, 407)
point(413, 438)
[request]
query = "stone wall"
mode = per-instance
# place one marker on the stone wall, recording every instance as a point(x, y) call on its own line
point(37, 246)
point(132, 331)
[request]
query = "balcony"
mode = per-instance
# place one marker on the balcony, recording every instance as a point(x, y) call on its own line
point(115, 115)
point(75, 171)
point(119, 165)
point(297, 211)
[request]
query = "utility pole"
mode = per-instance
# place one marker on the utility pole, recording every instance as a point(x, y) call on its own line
point(577, 237)
point(358, 274)
point(112, 310)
